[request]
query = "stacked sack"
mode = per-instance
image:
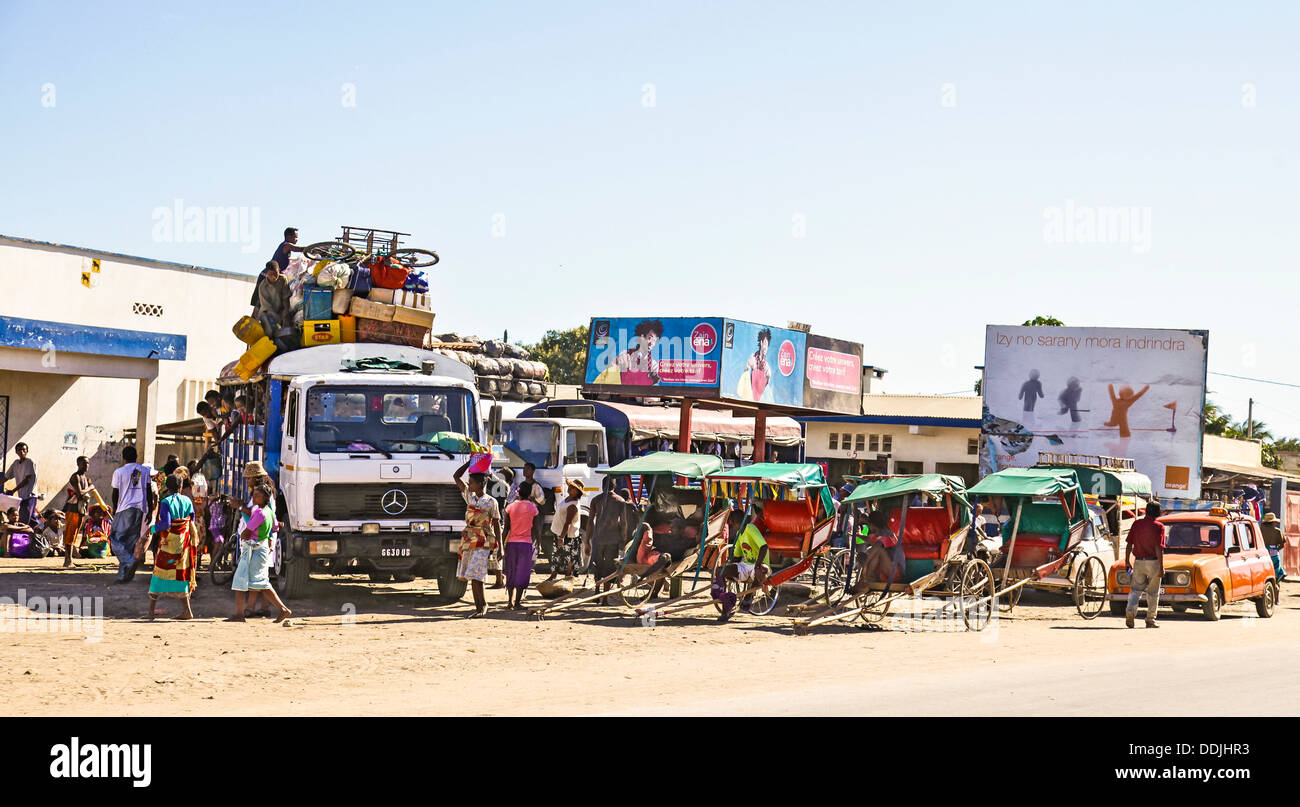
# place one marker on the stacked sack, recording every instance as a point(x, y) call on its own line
point(504, 370)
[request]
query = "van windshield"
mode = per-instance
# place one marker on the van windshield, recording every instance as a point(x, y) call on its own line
point(537, 442)
point(342, 419)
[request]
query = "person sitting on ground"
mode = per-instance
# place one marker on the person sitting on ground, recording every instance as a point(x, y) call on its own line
point(748, 567)
point(51, 535)
point(881, 557)
point(94, 532)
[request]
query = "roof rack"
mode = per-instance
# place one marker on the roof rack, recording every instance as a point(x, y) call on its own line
point(366, 238)
point(1087, 461)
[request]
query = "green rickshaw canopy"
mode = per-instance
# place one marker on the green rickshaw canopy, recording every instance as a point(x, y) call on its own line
point(1108, 483)
point(791, 474)
point(667, 463)
point(903, 485)
point(1027, 483)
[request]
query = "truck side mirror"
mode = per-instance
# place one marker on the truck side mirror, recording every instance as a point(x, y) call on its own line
point(494, 422)
point(593, 455)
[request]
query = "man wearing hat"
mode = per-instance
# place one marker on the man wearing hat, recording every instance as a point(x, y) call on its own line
point(1274, 540)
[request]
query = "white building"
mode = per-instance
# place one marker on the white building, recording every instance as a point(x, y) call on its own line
point(93, 343)
point(899, 434)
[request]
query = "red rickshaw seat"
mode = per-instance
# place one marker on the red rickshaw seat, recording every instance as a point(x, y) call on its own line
point(784, 544)
point(927, 529)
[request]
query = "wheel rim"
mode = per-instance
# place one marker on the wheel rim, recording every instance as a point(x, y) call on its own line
point(764, 600)
point(415, 258)
point(329, 250)
point(837, 575)
point(1090, 588)
point(872, 611)
point(637, 593)
point(976, 588)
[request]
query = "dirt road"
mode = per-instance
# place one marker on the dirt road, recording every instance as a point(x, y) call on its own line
point(357, 648)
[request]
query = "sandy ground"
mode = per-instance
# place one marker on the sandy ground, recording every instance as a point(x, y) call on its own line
point(357, 648)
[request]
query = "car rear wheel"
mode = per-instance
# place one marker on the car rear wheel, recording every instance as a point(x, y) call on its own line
point(1213, 602)
point(1266, 602)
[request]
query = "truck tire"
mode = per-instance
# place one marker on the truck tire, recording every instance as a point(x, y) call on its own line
point(450, 587)
point(295, 577)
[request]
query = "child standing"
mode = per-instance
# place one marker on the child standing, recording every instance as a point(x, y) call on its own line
point(254, 570)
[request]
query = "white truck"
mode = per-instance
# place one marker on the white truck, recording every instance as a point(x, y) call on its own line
point(364, 484)
point(561, 448)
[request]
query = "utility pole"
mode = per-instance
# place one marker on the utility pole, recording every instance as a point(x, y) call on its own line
point(1250, 417)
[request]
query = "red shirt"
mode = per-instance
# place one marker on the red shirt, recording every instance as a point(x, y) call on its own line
point(1147, 537)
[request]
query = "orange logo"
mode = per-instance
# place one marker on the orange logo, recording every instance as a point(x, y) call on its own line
point(1177, 477)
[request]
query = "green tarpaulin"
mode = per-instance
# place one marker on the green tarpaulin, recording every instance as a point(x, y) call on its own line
point(791, 474)
point(691, 466)
point(1030, 482)
point(1107, 483)
point(902, 485)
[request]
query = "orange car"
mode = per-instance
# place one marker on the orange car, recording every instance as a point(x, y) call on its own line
point(1212, 557)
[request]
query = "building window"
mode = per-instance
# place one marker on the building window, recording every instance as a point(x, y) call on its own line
point(875, 442)
point(834, 443)
point(147, 309)
point(858, 442)
point(887, 443)
point(845, 442)
point(973, 445)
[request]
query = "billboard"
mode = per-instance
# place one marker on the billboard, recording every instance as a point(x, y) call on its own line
point(1119, 392)
point(833, 375)
point(680, 352)
point(761, 363)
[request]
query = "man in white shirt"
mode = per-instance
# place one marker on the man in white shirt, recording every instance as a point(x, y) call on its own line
point(133, 499)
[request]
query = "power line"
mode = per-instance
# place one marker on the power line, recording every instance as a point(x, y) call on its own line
point(1256, 380)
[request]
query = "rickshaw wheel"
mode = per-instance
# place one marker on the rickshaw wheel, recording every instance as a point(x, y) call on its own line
point(733, 586)
point(1012, 599)
point(873, 612)
point(976, 585)
point(837, 576)
point(762, 602)
point(636, 594)
point(1090, 588)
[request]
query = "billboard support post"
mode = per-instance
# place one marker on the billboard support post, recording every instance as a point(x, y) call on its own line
point(684, 426)
point(760, 436)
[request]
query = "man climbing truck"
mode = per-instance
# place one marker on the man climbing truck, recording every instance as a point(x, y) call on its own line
point(362, 440)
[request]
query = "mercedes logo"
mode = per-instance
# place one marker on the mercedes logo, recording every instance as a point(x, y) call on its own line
point(394, 502)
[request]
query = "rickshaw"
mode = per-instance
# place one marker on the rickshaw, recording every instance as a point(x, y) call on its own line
point(665, 502)
point(798, 519)
point(934, 535)
point(1115, 494)
point(1048, 530)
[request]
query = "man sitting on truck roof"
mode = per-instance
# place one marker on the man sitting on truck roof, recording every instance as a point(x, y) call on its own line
point(274, 308)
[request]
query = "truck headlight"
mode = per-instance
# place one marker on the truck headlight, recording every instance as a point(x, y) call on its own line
point(322, 547)
point(1123, 578)
point(419, 526)
point(1180, 579)
point(370, 529)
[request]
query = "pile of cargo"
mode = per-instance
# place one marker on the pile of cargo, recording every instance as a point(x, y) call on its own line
point(333, 302)
point(503, 370)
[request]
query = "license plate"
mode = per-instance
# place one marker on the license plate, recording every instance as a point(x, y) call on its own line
point(395, 552)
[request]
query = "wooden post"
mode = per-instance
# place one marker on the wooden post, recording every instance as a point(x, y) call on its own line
point(760, 437)
point(1015, 530)
point(684, 426)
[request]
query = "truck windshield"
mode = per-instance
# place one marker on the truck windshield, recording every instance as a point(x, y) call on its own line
point(342, 419)
point(538, 442)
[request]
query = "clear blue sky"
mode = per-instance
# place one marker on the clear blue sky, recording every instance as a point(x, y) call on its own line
point(924, 221)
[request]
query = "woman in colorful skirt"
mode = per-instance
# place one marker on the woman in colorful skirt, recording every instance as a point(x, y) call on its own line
point(173, 560)
point(481, 535)
point(519, 546)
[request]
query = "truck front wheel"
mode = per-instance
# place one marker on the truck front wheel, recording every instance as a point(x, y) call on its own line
point(294, 577)
point(449, 586)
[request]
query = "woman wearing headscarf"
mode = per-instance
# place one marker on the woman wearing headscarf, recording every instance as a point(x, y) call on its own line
point(173, 560)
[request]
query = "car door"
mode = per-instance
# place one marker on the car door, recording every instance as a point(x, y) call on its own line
point(1239, 565)
point(1260, 562)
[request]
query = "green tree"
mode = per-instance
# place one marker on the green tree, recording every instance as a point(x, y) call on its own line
point(1041, 320)
point(564, 353)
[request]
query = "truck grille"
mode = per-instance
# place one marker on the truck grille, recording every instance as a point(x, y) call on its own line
point(353, 502)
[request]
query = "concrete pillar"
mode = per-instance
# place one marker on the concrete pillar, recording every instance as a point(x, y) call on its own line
point(146, 418)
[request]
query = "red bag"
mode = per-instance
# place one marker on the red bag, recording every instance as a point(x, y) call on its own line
point(386, 273)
